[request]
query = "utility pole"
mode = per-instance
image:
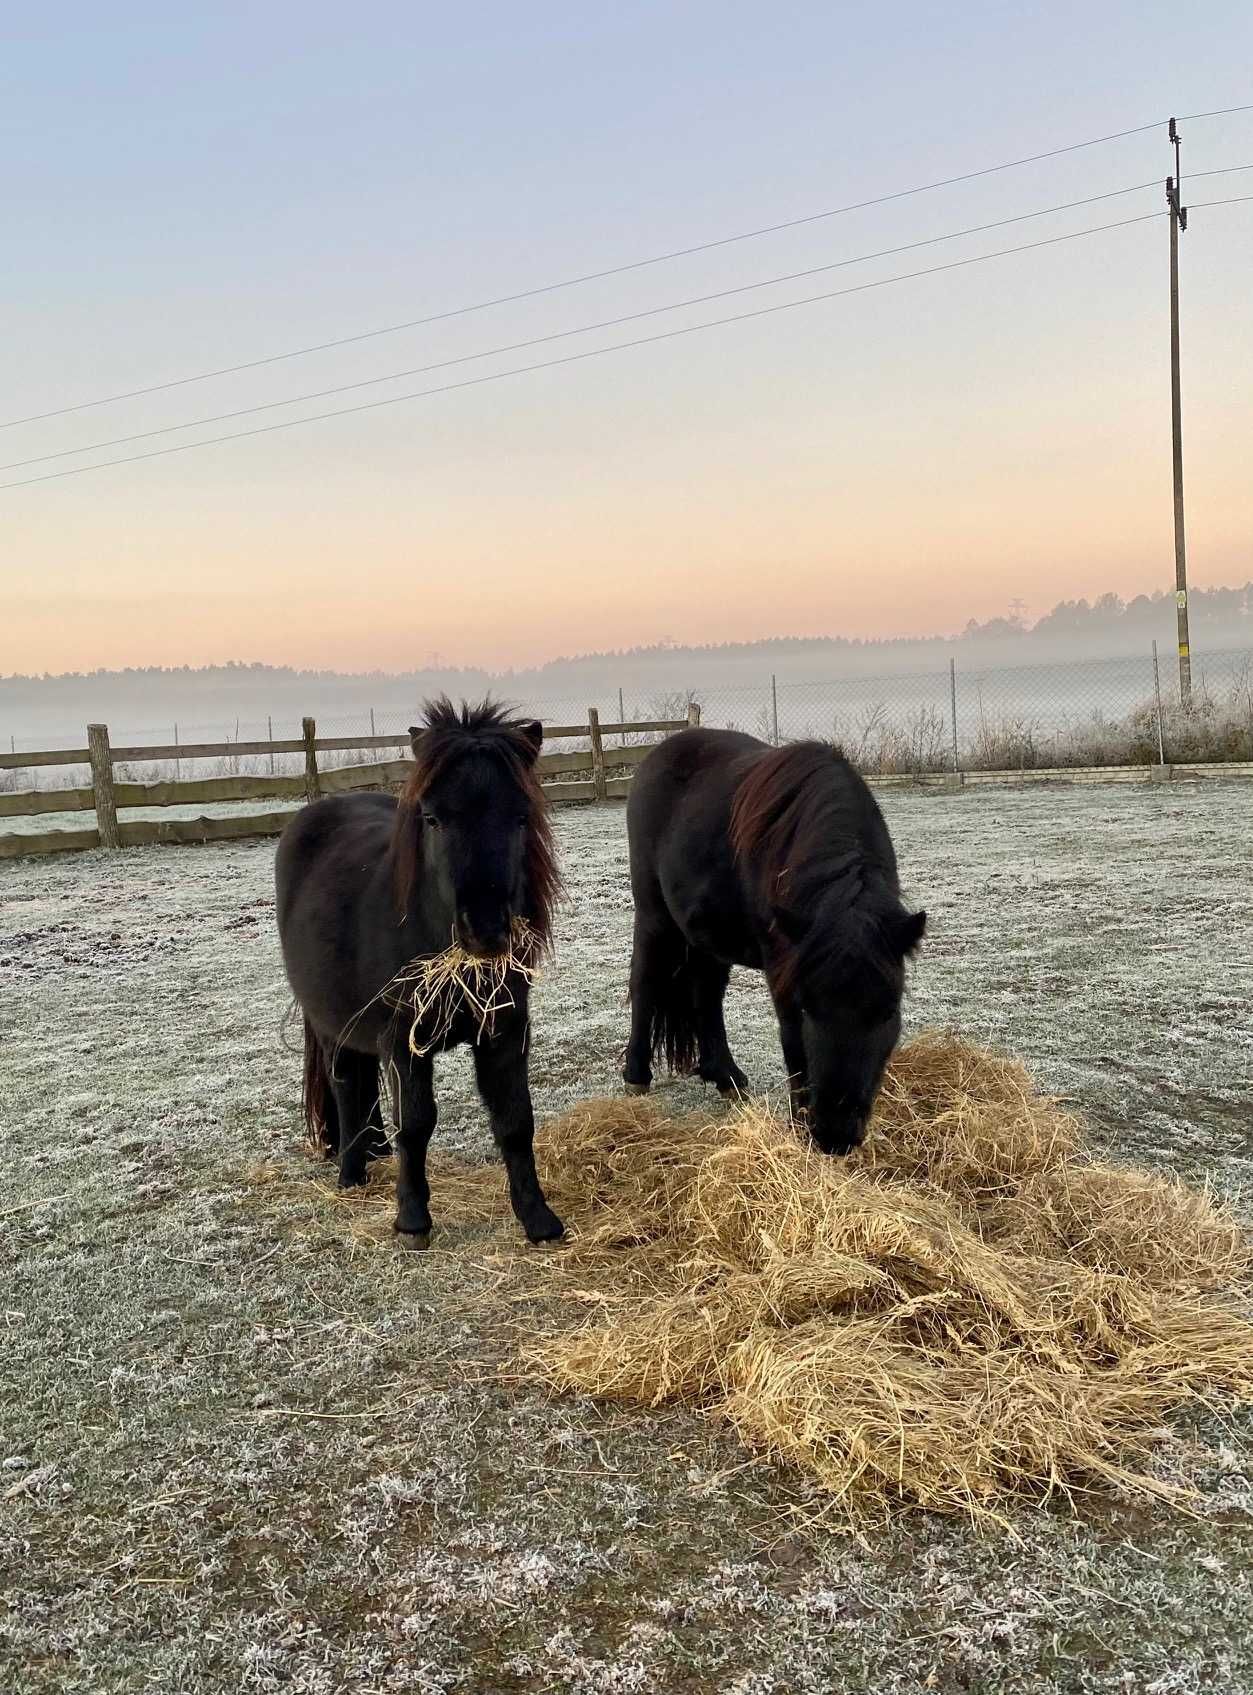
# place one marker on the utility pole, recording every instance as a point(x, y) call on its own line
point(1178, 222)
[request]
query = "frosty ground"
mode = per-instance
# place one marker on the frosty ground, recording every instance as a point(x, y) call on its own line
point(245, 1448)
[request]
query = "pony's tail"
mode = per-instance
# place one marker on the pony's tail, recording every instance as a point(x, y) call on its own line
point(673, 1001)
point(317, 1098)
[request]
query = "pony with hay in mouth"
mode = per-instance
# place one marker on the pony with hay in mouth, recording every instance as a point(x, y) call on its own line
point(411, 926)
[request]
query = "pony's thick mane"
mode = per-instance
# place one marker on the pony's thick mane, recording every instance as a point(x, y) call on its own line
point(449, 734)
point(789, 821)
point(794, 829)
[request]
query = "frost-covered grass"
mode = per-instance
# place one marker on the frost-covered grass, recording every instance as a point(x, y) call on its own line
point(243, 1448)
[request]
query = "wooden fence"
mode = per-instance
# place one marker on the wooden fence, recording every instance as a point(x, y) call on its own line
point(596, 773)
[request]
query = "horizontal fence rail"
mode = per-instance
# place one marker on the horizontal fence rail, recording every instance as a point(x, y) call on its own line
point(579, 774)
point(966, 724)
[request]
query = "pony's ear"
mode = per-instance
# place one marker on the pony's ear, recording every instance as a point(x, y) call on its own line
point(533, 736)
point(415, 736)
point(907, 931)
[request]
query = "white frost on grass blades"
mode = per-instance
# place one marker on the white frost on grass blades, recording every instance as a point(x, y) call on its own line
point(198, 1549)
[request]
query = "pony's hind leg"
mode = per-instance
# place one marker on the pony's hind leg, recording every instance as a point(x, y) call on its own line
point(660, 989)
point(500, 1071)
point(355, 1084)
point(415, 1118)
point(715, 1063)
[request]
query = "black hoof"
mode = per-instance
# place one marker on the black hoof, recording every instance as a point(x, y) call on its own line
point(415, 1240)
point(544, 1226)
point(637, 1088)
point(353, 1179)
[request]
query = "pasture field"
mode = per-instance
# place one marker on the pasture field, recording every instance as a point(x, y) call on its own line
point(244, 1446)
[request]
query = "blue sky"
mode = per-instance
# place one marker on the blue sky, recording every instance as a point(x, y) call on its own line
point(184, 191)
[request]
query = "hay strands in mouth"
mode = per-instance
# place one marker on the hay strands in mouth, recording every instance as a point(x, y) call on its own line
point(436, 988)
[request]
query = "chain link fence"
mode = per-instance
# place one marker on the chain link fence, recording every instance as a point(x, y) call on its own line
point(1091, 713)
point(1111, 712)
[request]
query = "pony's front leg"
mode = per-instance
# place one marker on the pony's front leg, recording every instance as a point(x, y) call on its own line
point(715, 1062)
point(792, 1037)
point(415, 1118)
point(500, 1070)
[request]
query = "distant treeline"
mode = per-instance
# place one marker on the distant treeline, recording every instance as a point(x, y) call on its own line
point(155, 696)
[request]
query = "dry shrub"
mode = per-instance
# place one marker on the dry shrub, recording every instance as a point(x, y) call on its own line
point(969, 1308)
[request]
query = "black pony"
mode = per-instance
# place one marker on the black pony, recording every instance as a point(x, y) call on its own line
point(779, 859)
point(366, 885)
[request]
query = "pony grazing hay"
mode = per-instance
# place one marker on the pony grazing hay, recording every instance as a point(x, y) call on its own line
point(967, 1309)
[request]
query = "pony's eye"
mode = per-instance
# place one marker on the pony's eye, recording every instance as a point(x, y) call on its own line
point(430, 819)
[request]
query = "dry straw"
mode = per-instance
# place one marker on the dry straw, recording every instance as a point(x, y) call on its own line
point(434, 990)
point(968, 1309)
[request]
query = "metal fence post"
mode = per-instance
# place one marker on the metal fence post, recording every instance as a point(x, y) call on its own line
point(102, 785)
point(1157, 691)
point(178, 764)
point(269, 736)
point(622, 718)
point(309, 730)
point(693, 714)
point(600, 788)
point(774, 706)
point(952, 695)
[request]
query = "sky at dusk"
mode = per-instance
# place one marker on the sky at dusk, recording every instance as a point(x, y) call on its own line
point(186, 190)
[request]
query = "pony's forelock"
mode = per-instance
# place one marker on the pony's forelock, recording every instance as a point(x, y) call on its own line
point(448, 735)
point(849, 948)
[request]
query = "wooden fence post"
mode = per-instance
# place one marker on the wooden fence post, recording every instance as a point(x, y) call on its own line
point(102, 785)
point(693, 714)
point(309, 730)
point(600, 787)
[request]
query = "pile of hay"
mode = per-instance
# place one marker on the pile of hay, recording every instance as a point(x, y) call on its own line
point(968, 1309)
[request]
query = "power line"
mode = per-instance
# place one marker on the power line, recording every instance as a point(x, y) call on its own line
point(580, 329)
point(586, 353)
point(587, 329)
point(1222, 112)
point(598, 276)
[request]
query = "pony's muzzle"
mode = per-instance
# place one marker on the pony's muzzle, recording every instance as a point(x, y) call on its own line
point(839, 1133)
point(484, 938)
